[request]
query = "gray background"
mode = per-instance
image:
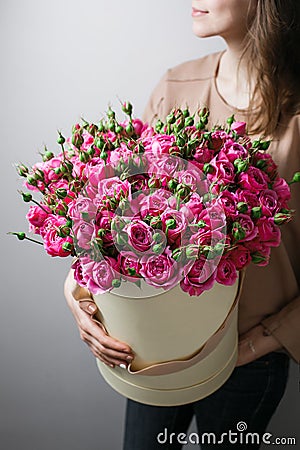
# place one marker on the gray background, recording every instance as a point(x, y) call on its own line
point(61, 60)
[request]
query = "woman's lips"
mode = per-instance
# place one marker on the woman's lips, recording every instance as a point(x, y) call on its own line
point(198, 12)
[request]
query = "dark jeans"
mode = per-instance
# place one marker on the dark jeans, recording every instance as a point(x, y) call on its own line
point(251, 395)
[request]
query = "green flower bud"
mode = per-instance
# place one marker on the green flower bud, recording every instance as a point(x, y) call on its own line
point(127, 108)
point(208, 168)
point(57, 170)
point(238, 231)
point(111, 125)
point(157, 237)
point(192, 251)
point(172, 184)
point(67, 246)
point(170, 118)
point(69, 223)
point(110, 113)
point(26, 197)
point(101, 127)
point(61, 193)
point(296, 178)
point(200, 126)
point(189, 121)
point(242, 207)
point(99, 142)
point(281, 218)
point(230, 120)
point(241, 165)
point(21, 235)
point(129, 129)
point(119, 129)
point(201, 224)
point(158, 248)
point(64, 231)
point(261, 164)
point(256, 212)
point(47, 156)
point(22, 170)
point(185, 113)
point(83, 157)
point(171, 224)
point(257, 258)
point(77, 140)
point(92, 129)
point(61, 140)
point(91, 151)
point(31, 180)
point(155, 222)
point(131, 271)
point(116, 283)
point(158, 126)
point(177, 254)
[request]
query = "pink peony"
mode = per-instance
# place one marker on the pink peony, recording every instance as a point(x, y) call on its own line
point(174, 224)
point(100, 274)
point(254, 180)
point(269, 202)
point(269, 233)
point(139, 235)
point(53, 240)
point(240, 256)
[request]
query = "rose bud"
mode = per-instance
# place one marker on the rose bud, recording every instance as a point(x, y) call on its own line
point(157, 237)
point(47, 156)
point(111, 125)
point(23, 170)
point(172, 184)
point(61, 140)
point(92, 129)
point(101, 126)
point(67, 246)
point(256, 212)
point(170, 224)
point(77, 140)
point(155, 222)
point(241, 165)
point(242, 207)
point(281, 218)
point(237, 231)
point(230, 120)
point(31, 180)
point(296, 178)
point(127, 108)
point(61, 193)
point(158, 248)
point(192, 251)
point(208, 168)
point(158, 126)
point(129, 129)
point(170, 118)
point(26, 197)
point(110, 113)
point(177, 254)
point(185, 112)
point(116, 283)
point(239, 128)
point(189, 121)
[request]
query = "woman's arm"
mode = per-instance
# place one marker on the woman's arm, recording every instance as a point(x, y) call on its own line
point(109, 350)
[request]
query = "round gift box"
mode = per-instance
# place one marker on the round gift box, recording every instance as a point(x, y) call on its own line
point(185, 347)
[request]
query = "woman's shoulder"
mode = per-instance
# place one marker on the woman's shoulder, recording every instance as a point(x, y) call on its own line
point(197, 69)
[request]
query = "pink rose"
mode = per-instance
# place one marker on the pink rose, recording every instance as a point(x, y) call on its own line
point(139, 235)
point(283, 191)
point(82, 206)
point(223, 173)
point(153, 204)
point(246, 226)
point(226, 272)
point(174, 224)
point(268, 201)
point(160, 270)
point(83, 232)
point(239, 128)
point(200, 278)
point(240, 256)
point(129, 264)
point(254, 180)
point(158, 145)
point(36, 217)
point(247, 197)
point(233, 151)
point(269, 233)
point(228, 201)
point(267, 162)
point(53, 242)
point(100, 275)
point(112, 188)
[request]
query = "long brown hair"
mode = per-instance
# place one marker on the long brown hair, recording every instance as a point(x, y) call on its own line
point(272, 51)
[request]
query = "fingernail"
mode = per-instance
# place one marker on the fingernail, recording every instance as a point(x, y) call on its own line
point(123, 366)
point(91, 309)
point(129, 358)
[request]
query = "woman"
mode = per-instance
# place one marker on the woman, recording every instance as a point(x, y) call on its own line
point(256, 78)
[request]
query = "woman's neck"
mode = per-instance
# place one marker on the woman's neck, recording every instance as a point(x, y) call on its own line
point(232, 78)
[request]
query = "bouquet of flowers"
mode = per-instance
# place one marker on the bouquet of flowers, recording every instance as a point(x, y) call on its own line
point(176, 203)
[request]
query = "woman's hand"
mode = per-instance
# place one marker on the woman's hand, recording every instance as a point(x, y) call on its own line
point(253, 344)
point(109, 350)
